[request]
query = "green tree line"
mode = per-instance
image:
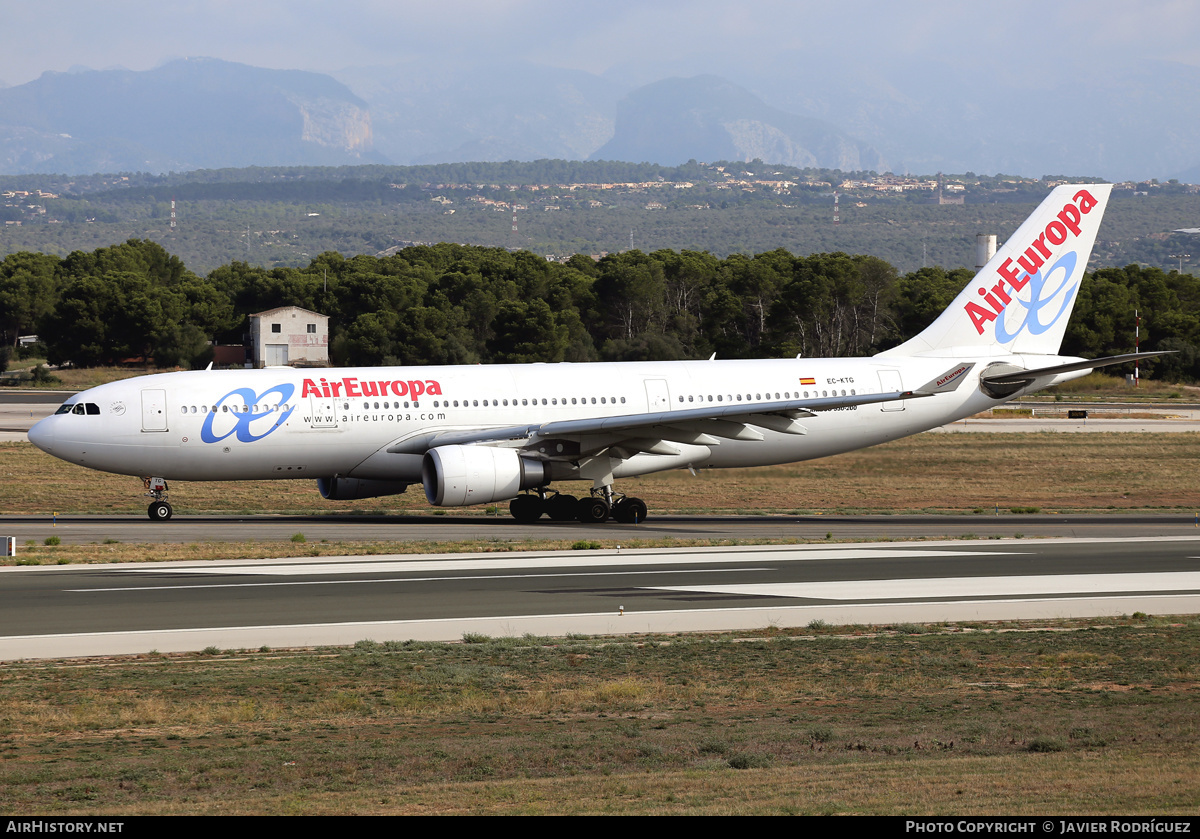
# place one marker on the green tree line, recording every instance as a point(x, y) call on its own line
point(456, 304)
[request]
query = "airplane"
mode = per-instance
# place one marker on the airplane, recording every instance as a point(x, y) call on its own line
point(491, 433)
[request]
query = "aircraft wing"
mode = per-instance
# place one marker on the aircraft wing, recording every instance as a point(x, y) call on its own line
point(649, 432)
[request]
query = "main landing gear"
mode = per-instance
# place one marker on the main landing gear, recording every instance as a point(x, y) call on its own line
point(597, 507)
point(159, 509)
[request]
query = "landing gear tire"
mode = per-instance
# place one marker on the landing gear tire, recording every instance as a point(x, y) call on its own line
point(630, 511)
point(526, 508)
point(592, 510)
point(562, 507)
point(159, 511)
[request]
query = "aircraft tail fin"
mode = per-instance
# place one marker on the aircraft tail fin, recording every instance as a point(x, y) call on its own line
point(1022, 299)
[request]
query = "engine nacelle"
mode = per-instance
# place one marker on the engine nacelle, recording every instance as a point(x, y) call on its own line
point(348, 489)
point(456, 476)
point(1001, 390)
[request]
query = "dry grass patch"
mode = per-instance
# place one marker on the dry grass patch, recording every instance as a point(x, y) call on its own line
point(1074, 717)
point(81, 378)
point(964, 787)
point(929, 472)
point(1099, 386)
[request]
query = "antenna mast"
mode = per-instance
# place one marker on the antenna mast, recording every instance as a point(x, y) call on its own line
point(1137, 337)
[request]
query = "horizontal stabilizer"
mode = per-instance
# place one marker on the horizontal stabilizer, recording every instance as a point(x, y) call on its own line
point(1013, 377)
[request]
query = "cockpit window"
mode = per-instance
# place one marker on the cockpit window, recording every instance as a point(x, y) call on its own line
point(81, 408)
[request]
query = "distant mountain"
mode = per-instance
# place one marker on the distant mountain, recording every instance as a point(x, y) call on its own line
point(451, 113)
point(708, 118)
point(1133, 120)
point(186, 114)
point(1190, 175)
point(1118, 119)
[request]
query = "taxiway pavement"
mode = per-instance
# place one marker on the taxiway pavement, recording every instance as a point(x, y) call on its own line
point(135, 608)
point(495, 532)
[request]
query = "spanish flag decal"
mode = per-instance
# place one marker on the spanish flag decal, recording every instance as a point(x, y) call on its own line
point(806, 381)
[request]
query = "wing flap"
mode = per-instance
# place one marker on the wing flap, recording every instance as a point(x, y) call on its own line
point(680, 435)
point(777, 422)
point(721, 428)
point(644, 445)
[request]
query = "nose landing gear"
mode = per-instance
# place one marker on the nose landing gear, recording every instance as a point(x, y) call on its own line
point(159, 509)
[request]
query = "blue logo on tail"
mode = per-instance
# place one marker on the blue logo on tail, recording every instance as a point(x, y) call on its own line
point(1041, 295)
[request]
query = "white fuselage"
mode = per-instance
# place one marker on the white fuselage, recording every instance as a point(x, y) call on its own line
point(287, 423)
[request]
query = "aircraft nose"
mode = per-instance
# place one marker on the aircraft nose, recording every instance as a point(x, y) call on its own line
point(42, 434)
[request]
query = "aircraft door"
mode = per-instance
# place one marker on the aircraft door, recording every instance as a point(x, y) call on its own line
point(658, 397)
point(890, 382)
point(154, 410)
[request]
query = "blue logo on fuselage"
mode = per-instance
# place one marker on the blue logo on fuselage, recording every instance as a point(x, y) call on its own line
point(1041, 296)
point(245, 419)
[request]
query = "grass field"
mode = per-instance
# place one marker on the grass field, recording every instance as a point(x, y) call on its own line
point(1070, 718)
point(1101, 387)
point(945, 473)
point(75, 378)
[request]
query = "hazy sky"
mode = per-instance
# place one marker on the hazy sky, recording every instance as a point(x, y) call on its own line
point(645, 39)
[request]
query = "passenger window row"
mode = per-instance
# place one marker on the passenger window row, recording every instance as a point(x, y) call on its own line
point(497, 403)
point(234, 409)
point(387, 406)
point(91, 408)
point(758, 397)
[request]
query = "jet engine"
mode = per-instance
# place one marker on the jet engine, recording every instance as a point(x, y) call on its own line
point(456, 476)
point(348, 489)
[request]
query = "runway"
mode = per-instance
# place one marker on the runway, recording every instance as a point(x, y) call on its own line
point(1144, 425)
point(20, 409)
point(118, 609)
point(497, 531)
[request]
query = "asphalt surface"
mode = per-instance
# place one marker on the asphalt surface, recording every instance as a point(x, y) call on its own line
point(992, 523)
point(94, 610)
